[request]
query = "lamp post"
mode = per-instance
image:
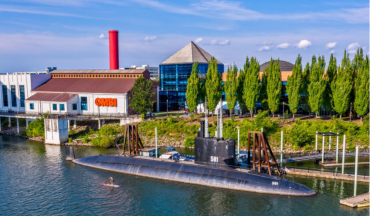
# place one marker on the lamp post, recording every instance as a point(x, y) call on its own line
point(167, 107)
point(283, 112)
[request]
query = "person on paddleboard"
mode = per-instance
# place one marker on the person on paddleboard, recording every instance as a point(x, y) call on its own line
point(111, 180)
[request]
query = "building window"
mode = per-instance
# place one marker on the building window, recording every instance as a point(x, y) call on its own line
point(131, 76)
point(55, 107)
point(74, 106)
point(125, 75)
point(32, 106)
point(83, 103)
point(61, 107)
point(5, 95)
point(21, 94)
point(13, 96)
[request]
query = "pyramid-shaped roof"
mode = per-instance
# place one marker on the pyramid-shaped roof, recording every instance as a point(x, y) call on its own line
point(189, 54)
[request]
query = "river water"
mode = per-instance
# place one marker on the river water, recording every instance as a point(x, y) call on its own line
point(36, 180)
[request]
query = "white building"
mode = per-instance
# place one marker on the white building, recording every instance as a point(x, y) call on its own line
point(154, 71)
point(18, 86)
point(86, 92)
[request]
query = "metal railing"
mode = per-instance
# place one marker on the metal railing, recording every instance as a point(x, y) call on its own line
point(334, 172)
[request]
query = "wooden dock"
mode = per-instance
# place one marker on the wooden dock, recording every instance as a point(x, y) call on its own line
point(318, 156)
point(359, 200)
point(345, 164)
point(328, 175)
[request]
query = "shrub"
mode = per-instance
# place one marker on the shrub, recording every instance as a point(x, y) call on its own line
point(177, 115)
point(192, 117)
point(36, 128)
point(70, 140)
point(189, 142)
point(299, 135)
point(143, 116)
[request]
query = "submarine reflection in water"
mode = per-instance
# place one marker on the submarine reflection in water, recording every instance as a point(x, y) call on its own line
point(217, 175)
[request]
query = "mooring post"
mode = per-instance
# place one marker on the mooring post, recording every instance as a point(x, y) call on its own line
point(281, 152)
point(26, 123)
point(99, 125)
point(75, 124)
point(216, 133)
point(316, 143)
point(356, 167)
point(323, 146)
point(17, 125)
point(329, 141)
point(238, 141)
point(10, 122)
point(156, 144)
point(205, 119)
point(221, 122)
point(344, 152)
point(68, 124)
point(336, 156)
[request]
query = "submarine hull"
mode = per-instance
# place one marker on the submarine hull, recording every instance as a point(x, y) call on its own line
point(247, 180)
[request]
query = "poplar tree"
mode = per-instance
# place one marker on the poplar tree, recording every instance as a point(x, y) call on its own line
point(231, 87)
point(329, 77)
point(361, 103)
point(274, 86)
point(241, 79)
point(316, 87)
point(263, 91)
point(192, 89)
point(305, 83)
point(213, 85)
point(252, 85)
point(294, 86)
point(342, 86)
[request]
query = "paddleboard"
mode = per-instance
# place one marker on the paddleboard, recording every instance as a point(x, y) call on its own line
point(106, 184)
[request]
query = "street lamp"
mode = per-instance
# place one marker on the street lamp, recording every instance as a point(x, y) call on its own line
point(283, 112)
point(167, 107)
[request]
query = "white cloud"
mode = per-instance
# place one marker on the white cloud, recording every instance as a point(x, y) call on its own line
point(283, 46)
point(352, 51)
point(353, 46)
point(101, 36)
point(267, 42)
point(217, 42)
point(150, 38)
point(332, 51)
point(198, 40)
point(331, 45)
point(264, 48)
point(304, 44)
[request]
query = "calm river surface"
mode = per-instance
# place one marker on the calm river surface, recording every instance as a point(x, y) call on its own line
point(36, 180)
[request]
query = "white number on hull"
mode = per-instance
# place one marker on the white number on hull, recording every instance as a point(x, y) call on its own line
point(214, 159)
point(275, 183)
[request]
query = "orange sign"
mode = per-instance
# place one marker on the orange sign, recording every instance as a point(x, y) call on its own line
point(112, 102)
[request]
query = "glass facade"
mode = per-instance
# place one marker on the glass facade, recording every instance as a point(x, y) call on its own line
point(21, 94)
point(174, 77)
point(5, 96)
point(172, 97)
point(13, 96)
point(83, 103)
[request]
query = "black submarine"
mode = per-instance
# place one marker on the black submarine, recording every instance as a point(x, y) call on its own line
point(214, 166)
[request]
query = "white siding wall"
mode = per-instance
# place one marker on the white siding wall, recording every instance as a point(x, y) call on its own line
point(29, 81)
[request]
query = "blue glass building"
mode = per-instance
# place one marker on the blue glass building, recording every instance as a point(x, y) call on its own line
point(174, 74)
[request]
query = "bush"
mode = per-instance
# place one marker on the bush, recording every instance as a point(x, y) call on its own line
point(192, 117)
point(189, 142)
point(177, 115)
point(102, 141)
point(143, 116)
point(70, 140)
point(36, 128)
point(299, 135)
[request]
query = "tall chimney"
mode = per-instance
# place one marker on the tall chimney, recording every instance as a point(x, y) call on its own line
point(113, 50)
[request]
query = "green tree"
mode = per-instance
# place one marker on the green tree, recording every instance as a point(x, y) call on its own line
point(316, 87)
point(294, 86)
point(274, 86)
point(192, 89)
point(213, 85)
point(329, 77)
point(361, 103)
point(263, 91)
point(142, 97)
point(241, 79)
point(342, 86)
point(231, 87)
point(252, 85)
point(305, 82)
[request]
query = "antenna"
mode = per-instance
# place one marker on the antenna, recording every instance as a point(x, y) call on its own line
point(205, 118)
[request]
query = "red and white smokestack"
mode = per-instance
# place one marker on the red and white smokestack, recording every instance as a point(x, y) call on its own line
point(113, 50)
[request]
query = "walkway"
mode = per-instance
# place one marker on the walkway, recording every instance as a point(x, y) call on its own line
point(318, 156)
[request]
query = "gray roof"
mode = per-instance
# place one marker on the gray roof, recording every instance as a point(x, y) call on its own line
point(189, 54)
point(131, 70)
point(284, 66)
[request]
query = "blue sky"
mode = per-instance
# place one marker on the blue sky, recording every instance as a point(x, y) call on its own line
point(72, 34)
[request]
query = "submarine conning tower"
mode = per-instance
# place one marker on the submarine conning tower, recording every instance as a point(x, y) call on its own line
point(214, 152)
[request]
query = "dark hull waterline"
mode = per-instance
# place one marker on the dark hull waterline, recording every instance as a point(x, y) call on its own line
point(196, 174)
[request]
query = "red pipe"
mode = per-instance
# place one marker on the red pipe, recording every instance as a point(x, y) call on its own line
point(113, 50)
